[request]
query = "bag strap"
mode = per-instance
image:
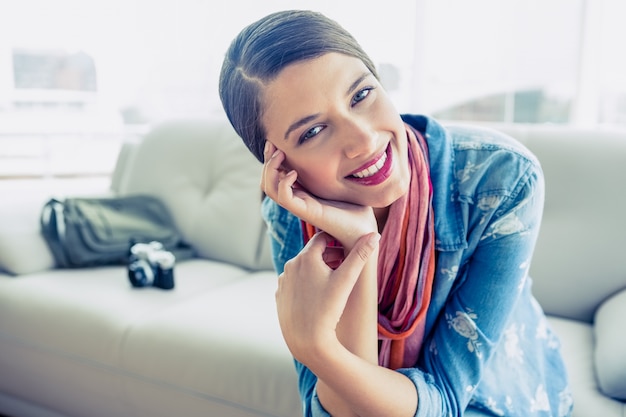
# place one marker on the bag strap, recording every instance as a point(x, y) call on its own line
point(53, 230)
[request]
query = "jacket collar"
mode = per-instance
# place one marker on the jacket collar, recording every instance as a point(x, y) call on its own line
point(449, 225)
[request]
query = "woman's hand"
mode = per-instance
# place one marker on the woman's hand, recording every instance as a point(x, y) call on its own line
point(328, 321)
point(311, 296)
point(344, 221)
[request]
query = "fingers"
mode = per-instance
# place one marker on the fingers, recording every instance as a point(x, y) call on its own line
point(345, 277)
point(271, 166)
point(359, 255)
point(351, 265)
point(318, 245)
point(269, 150)
point(276, 181)
point(311, 297)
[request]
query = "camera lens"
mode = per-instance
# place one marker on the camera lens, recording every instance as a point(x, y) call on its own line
point(140, 273)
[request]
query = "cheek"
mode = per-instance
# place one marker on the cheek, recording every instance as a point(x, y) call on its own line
point(317, 178)
point(312, 181)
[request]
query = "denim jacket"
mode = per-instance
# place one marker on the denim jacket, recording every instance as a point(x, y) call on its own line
point(487, 342)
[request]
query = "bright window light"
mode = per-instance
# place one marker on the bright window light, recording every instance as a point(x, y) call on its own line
point(78, 77)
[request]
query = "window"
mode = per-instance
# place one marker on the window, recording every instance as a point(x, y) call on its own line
point(53, 70)
point(609, 31)
point(529, 61)
point(78, 77)
point(506, 61)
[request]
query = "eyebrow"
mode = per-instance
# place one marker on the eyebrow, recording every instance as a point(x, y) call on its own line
point(300, 123)
point(358, 81)
point(311, 117)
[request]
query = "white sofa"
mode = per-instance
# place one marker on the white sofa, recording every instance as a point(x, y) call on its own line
point(84, 343)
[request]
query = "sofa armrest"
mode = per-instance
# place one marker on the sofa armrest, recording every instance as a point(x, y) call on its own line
point(23, 249)
point(610, 345)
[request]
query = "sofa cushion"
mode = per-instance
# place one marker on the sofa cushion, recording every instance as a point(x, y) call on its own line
point(210, 183)
point(210, 346)
point(577, 348)
point(610, 348)
point(223, 348)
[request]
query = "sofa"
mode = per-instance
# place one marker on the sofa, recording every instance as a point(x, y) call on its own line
point(83, 342)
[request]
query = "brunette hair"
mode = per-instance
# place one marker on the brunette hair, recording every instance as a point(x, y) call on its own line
point(261, 50)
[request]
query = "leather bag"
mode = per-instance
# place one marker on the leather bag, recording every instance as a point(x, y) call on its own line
point(84, 232)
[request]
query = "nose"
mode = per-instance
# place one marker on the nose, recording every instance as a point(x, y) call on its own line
point(358, 138)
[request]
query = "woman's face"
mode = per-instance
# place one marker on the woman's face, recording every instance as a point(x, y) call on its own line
point(339, 130)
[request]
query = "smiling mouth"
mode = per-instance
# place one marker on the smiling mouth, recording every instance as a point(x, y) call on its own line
point(375, 172)
point(372, 169)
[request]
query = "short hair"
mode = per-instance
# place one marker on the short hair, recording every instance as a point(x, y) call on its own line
point(261, 50)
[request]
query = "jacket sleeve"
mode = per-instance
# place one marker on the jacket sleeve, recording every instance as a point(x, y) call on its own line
point(491, 278)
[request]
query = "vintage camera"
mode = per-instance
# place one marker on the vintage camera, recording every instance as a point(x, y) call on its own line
point(149, 264)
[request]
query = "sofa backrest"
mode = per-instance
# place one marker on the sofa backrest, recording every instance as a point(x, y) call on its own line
point(580, 257)
point(209, 181)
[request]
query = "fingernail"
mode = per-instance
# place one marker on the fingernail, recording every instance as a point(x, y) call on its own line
point(267, 146)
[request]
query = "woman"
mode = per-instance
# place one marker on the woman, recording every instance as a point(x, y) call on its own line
point(402, 246)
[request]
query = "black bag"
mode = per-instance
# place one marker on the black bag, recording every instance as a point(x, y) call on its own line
point(98, 231)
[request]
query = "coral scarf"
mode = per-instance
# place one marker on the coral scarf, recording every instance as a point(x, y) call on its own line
point(406, 264)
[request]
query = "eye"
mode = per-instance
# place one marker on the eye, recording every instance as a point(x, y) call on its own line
point(310, 133)
point(361, 95)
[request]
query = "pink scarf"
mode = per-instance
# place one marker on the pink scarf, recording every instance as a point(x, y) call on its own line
point(406, 264)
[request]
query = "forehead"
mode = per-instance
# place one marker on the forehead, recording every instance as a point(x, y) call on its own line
point(308, 87)
point(327, 70)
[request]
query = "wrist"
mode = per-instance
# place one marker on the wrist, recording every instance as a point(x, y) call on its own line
point(320, 353)
point(351, 236)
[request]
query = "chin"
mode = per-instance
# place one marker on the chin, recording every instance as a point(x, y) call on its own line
point(391, 196)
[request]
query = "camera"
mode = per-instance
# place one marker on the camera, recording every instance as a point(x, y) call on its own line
point(150, 265)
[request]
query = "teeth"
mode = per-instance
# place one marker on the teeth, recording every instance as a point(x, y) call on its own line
point(368, 172)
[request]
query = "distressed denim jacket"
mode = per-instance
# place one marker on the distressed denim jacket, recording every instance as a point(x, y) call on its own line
point(487, 342)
